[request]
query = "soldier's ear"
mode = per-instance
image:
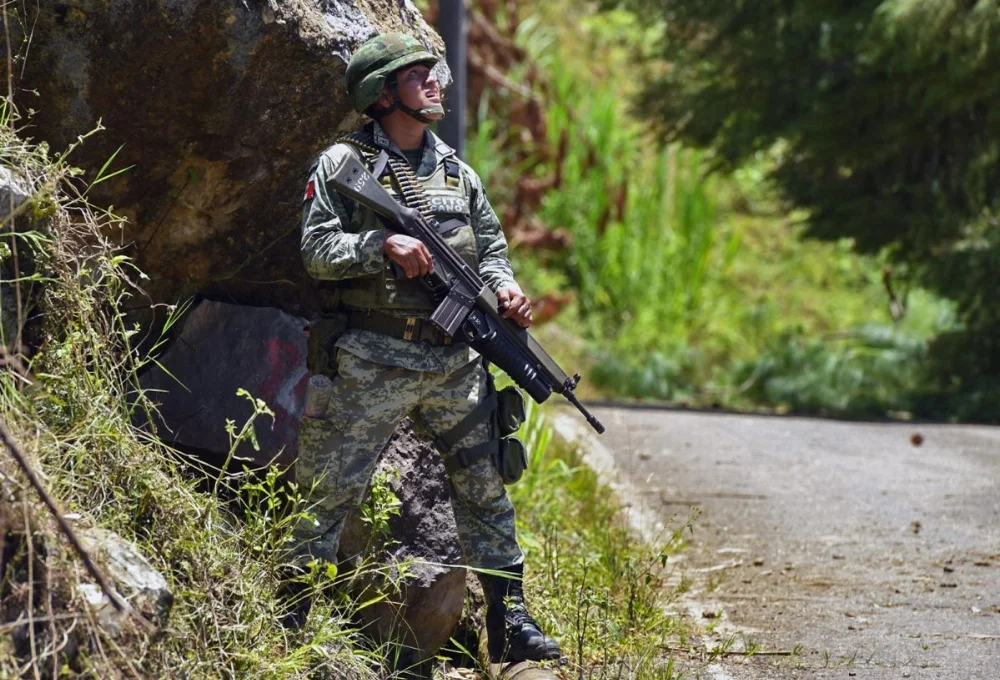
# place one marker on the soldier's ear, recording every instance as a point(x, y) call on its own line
point(384, 100)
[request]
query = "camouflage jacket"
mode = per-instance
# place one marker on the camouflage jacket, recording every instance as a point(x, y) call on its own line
point(335, 247)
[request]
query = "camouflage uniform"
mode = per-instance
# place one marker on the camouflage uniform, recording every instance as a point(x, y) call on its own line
point(381, 379)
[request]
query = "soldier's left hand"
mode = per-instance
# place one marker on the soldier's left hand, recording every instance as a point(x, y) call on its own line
point(516, 306)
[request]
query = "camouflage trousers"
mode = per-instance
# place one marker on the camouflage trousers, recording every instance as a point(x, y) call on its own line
point(338, 454)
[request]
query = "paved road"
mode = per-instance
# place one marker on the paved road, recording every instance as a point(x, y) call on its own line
point(870, 551)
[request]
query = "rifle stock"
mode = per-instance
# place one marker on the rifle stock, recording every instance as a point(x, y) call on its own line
point(465, 305)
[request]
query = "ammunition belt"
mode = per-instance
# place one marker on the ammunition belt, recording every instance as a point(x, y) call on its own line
point(413, 193)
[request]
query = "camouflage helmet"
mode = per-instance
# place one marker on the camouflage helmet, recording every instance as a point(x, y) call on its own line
point(377, 59)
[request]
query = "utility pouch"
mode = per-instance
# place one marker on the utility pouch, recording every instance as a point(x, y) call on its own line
point(510, 411)
point(511, 460)
point(324, 331)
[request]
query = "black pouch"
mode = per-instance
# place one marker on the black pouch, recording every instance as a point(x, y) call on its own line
point(510, 411)
point(324, 331)
point(511, 460)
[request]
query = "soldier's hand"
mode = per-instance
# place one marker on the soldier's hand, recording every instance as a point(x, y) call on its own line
point(516, 306)
point(409, 253)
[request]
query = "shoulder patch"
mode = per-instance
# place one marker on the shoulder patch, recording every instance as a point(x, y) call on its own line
point(310, 191)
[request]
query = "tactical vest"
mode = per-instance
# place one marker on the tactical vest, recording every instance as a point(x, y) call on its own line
point(450, 200)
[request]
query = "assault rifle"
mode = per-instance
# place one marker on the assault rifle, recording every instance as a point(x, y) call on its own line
point(465, 306)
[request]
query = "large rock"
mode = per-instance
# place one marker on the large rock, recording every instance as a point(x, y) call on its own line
point(429, 606)
point(219, 106)
point(220, 349)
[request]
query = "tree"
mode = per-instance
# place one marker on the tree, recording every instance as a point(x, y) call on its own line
point(888, 117)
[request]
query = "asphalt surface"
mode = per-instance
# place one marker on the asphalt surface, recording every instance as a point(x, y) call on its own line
point(829, 549)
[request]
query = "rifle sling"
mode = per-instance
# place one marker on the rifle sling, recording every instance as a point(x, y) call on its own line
point(378, 169)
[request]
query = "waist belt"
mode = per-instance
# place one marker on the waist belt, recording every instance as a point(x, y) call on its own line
point(411, 328)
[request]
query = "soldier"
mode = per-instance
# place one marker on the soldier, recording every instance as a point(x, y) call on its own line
point(391, 362)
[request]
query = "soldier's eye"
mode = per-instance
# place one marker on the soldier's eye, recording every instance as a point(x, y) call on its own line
point(418, 75)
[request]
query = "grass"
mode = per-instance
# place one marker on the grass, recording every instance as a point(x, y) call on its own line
point(590, 580)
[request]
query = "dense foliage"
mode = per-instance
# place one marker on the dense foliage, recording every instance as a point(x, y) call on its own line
point(688, 286)
point(880, 119)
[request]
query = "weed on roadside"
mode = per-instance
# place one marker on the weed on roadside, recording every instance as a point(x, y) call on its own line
point(591, 581)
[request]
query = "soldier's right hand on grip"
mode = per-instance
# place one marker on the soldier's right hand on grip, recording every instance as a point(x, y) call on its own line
point(409, 253)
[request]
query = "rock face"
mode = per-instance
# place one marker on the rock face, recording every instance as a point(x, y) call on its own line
point(220, 349)
point(134, 577)
point(430, 605)
point(13, 192)
point(220, 107)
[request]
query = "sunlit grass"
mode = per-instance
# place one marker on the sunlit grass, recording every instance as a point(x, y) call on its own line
point(592, 581)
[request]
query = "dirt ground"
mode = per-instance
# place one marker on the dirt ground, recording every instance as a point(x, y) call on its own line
point(823, 549)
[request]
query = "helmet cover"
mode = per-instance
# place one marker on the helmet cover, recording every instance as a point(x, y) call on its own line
point(376, 60)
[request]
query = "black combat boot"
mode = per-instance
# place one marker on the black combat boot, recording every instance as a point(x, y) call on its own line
point(513, 635)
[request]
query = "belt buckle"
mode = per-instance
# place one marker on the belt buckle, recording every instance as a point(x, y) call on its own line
point(411, 327)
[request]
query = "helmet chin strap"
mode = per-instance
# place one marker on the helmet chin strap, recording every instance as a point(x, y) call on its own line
point(420, 115)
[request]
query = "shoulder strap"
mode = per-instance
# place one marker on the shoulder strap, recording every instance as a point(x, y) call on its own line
point(364, 142)
point(378, 169)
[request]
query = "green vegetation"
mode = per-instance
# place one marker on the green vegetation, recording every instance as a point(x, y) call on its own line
point(879, 121)
point(593, 582)
point(691, 285)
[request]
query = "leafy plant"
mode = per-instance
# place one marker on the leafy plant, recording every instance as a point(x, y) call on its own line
point(878, 120)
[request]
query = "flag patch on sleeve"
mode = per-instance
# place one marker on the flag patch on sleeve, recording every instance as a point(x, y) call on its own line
point(310, 191)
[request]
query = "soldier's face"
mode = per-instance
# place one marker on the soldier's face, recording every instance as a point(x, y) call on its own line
point(418, 87)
